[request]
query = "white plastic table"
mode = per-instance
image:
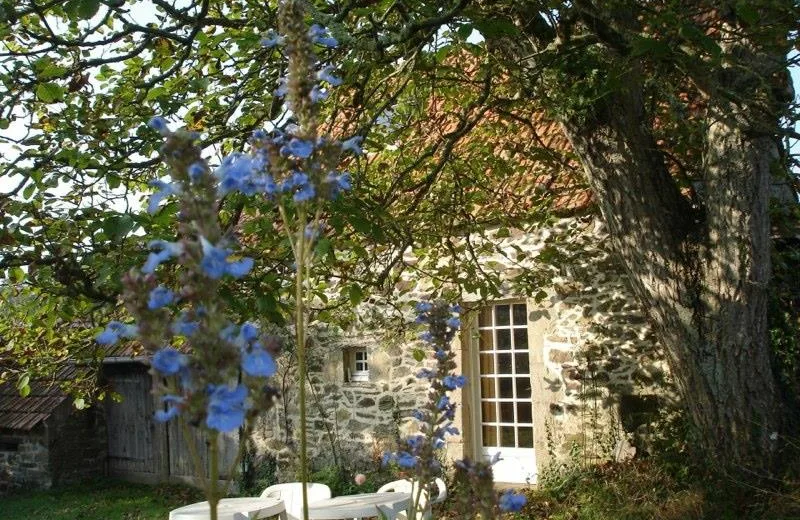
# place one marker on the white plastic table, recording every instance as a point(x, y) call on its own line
point(360, 506)
point(232, 509)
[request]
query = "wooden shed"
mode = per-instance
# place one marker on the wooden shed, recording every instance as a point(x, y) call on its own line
point(44, 440)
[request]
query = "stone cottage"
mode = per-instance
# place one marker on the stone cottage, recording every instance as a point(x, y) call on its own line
point(45, 440)
point(572, 368)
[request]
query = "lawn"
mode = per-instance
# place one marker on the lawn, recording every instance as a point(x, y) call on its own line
point(102, 500)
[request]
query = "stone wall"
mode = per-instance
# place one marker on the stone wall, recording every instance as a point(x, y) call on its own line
point(24, 461)
point(593, 358)
point(69, 446)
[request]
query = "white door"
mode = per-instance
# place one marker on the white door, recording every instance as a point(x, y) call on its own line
point(506, 404)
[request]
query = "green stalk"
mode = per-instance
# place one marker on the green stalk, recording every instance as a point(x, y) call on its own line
point(213, 497)
point(300, 333)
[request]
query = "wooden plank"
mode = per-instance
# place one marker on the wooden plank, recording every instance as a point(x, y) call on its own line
point(130, 425)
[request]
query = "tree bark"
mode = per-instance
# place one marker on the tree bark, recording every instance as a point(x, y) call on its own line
point(701, 276)
point(700, 267)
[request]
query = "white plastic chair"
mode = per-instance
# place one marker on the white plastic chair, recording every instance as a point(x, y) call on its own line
point(410, 486)
point(292, 495)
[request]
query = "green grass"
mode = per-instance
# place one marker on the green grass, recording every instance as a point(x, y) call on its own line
point(104, 500)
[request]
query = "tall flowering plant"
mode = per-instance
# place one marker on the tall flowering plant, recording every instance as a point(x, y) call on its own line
point(214, 370)
point(418, 453)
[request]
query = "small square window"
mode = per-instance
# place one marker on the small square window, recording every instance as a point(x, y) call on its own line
point(359, 365)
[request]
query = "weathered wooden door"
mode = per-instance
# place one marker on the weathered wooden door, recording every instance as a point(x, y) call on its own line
point(130, 423)
point(140, 448)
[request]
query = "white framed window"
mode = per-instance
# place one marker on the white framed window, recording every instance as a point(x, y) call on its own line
point(359, 366)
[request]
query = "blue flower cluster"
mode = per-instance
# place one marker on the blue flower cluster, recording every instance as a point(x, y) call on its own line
point(116, 330)
point(215, 262)
point(511, 502)
point(226, 407)
point(256, 361)
point(436, 419)
point(162, 251)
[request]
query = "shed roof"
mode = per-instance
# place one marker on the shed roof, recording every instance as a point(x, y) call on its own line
point(25, 413)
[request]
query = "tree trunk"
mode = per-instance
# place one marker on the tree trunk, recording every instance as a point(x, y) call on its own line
point(701, 267)
point(701, 275)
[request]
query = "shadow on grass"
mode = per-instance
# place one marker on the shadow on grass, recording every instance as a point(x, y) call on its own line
point(98, 500)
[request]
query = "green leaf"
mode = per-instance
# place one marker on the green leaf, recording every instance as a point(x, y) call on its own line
point(4, 124)
point(113, 181)
point(49, 92)
point(28, 191)
point(155, 93)
point(360, 224)
point(356, 294)
point(645, 46)
point(747, 13)
point(418, 354)
point(323, 247)
point(79, 403)
point(496, 28)
point(118, 226)
point(16, 274)
point(25, 391)
point(465, 30)
point(706, 42)
point(82, 9)
point(23, 381)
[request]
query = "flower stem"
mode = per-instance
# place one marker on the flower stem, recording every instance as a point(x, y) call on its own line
point(213, 496)
point(300, 333)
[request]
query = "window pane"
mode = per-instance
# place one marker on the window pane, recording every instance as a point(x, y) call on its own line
point(489, 435)
point(488, 411)
point(521, 339)
point(520, 314)
point(522, 363)
point(524, 413)
point(487, 363)
point(507, 412)
point(485, 317)
point(501, 315)
point(503, 363)
point(506, 387)
point(523, 387)
point(525, 437)
point(503, 339)
point(485, 340)
point(507, 436)
point(487, 387)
